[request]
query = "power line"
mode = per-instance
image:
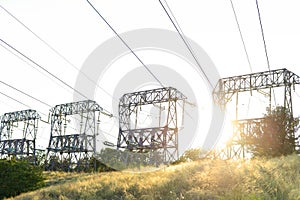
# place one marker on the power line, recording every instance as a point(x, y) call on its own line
point(107, 133)
point(265, 46)
point(55, 51)
point(61, 55)
point(8, 105)
point(44, 69)
point(178, 29)
point(150, 72)
point(27, 62)
point(48, 72)
point(263, 35)
point(30, 64)
point(180, 32)
point(26, 94)
point(241, 35)
point(32, 98)
point(18, 56)
point(10, 51)
point(20, 103)
point(14, 100)
point(244, 46)
point(18, 89)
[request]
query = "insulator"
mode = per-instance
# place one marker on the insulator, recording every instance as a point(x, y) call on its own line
point(107, 143)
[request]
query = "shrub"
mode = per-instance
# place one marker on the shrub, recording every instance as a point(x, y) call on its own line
point(190, 155)
point(275, 135)
point(18, 176)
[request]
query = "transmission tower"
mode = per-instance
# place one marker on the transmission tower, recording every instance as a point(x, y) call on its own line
point(161, 138)
point(18, 132)
point(72, 145)
point(228, 87)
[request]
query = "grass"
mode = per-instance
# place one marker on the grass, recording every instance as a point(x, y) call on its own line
point(277, 178)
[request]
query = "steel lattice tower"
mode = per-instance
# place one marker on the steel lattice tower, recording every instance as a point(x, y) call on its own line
point(18, 132)
point(73, 149)
point(228, 87)
point(160, 140)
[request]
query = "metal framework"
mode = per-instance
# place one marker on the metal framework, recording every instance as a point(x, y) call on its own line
point(19, 143)
point(228, 87)
point(72, 149)
point(161, 139)
point(237, 147)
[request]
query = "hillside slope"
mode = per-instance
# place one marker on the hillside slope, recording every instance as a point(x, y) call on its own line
point(277, 178)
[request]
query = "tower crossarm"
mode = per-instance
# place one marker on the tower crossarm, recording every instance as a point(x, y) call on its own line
point(22, 115)
point(226, 87)
point(76, 108)
point(146, 97)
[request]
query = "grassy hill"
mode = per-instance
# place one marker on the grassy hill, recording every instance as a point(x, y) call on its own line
point(277, 178)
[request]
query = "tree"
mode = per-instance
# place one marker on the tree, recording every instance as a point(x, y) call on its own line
point(125, 159)
point(193, 154)
point(17, 176)
point(275, 136)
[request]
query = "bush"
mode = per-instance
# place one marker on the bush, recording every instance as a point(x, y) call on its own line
point(190, 155)
point(19, 176)
point(275, 135)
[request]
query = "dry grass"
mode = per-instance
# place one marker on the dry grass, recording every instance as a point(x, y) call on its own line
point(277, 178)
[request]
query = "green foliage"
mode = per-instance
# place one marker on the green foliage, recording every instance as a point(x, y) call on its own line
point(55, 164)
point(112, 158)
point(120, 160)
point(276, 178)
point(106, 160)
point(275, 136)
point(83, 165)
point(190, 155)
point(100, 166)
point(193, 154)
point(18, 176)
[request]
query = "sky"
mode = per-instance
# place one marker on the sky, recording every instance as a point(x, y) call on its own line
point(75, 30)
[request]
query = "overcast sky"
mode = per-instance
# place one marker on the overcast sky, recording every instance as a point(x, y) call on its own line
point(75, 30)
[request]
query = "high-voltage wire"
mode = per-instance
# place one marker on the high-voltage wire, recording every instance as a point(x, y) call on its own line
point(15, 100)
point(123, 41)
point(26, 94)
point(44, 69)
point(241, 35)
point(48, 72)
point(263, 35)
point(178, 29)
point(20, 90)
point(244, 46)
point(58, 53)
point(29, 63)
point(265, 45)
point(55, 51)
point(10, 51)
